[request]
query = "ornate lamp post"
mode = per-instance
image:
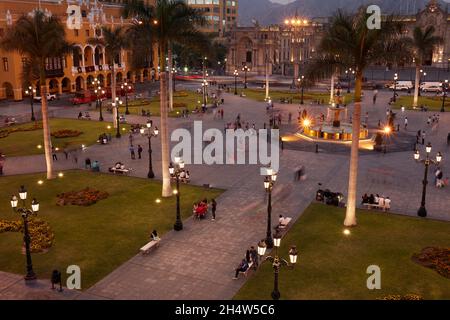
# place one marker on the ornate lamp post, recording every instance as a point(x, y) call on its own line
point(387, 131)
point(236, 74)
point(127, 88)
point(150, 133)
point(204, 90)
point(444, 94)
point(277, 262)
point(394, 99)
point(31, 93)
point(98, 102)
point(302, 86)
point(269, 182)
point(116, 105)
point(245, 69)
point(175, 171)
point(422, 75)
point(25, 213)
point(427, 162)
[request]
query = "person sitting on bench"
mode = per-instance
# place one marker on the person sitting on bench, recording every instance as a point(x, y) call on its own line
point(283, 221)
point(243, 266)
point(154, 236)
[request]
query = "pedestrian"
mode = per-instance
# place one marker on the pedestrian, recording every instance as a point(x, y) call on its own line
point(254, 257)
point(406, 123)
point(423, 137)
point(130, 137)
point(56, 279)
point(66, 153)
point(290, 117)
point(140, 151)
point(375, 98)
point(132, 154)
point(247, 256)
point(281, 144)
point(87, 163)
point(55, 158)
point(429, 121)
point(213, 209)
point(367, 118)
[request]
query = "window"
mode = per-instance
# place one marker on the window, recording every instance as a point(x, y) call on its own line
point(5, 64)
point(87, 32)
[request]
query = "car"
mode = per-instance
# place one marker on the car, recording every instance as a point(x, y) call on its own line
point(50, 97)
point(402, 86)
point(432, 88)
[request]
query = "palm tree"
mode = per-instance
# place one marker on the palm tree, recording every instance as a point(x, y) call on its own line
point(39, 37)
point(347, 42)
point(421, 44)
point(168, 22)
point(114, 41)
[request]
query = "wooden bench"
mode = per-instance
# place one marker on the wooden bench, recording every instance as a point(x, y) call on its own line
point(152, 244)
point(369, 206)
point(287, 220)
point(245, 273)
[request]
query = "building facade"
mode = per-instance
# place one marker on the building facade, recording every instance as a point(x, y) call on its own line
point(82, 20)
point(288, 46)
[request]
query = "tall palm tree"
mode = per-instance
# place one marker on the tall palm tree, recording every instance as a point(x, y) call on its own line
point(169, 22)
point(39, 37)
point(421, 45)
point(347, 42)
point(114, 41)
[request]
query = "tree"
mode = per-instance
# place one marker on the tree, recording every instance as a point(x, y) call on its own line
point(114, 41)
point(39, 37)
point(347, 42)
point(421, 45)
point(168, 22)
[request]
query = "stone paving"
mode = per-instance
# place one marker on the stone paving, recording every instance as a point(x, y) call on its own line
point(198, 262)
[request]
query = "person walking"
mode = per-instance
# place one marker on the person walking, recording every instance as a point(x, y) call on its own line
point(56, 279)
point(55, 158)
point(423, 137)
point(132, 154)
point(140, 151)
point(130, 137)
point(213, 209)
point(406, 123)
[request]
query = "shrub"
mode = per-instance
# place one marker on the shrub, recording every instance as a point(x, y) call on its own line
point(180, 105)
point(6, 132)
point(434, 258)
point(85, 197)
point(66, 133)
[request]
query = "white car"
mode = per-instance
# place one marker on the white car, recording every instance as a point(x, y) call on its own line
point(434, 88)
point(50, 97)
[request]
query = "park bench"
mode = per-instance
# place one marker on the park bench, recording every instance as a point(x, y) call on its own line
point(245, 273)
point(285, 223)
point(149, 246)
point(370, 206)
point(121, 171)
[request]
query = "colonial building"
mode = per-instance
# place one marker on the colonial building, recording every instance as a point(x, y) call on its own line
point(286, 47)
point(82, 19)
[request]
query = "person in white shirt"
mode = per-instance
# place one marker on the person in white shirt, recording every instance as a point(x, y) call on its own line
point(381, 201)
point(376, 199)
point(387, 203)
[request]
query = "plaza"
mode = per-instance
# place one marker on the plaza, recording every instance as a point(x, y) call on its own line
point(102, 206)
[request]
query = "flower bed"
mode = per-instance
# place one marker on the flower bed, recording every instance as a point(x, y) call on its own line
point(180, 105)
point(41, 234)
point(85, 197)
point(66, 133)
point(434, 258)
point(6, 132)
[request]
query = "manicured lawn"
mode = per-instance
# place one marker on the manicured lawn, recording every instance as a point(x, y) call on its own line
point(26, 142)
point(190, 98)
point(97, 238)
point(433, 103)
point(276, 95)
point(333, 266)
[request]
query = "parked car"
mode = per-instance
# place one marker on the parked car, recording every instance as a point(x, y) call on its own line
point(50, 97)
point(83, 97)
point(402, 86)
point(433, 88)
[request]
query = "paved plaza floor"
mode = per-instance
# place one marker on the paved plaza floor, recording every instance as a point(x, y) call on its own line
point(198, 262)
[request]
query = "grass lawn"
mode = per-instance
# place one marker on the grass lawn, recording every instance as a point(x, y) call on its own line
point(26, 142)
point(190, 98)
point(433, 103)
point(276, 95)
point(333, 266)
point(97, 238)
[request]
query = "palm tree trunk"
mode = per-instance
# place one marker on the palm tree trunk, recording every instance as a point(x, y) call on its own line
point(350, 215)
point(113, 94)
point(166, 189)
point(332, 89)
point(46, 125)
point(416, 87)
point(170, 56)
point(267, 75)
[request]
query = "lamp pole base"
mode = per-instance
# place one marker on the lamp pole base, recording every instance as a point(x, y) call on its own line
point(178, 226)
point(422, 212)
point(276, 295)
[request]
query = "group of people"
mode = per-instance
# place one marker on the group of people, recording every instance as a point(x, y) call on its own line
point(381, 201)
point(200, 209)
point(104, 138)
point(94, 166)
point(439, 180)
point(85, 116)
point(218, 114)
point(184, 176)
point(251, 257)
point(433, 119)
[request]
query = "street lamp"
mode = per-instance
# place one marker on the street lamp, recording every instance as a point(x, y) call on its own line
point(245, 69)
point(150, 134)
point(427, 161)
point(25, 213)
point(301, 83)
point(348, 72)
point(204, 90)
point(127, 88)
point(422, 76)
point(116, 105)
point(176, 171)
point(269, 182)
point(236, 74)
point(444, 94)
point(31, 93)
point(277, 262)
point(387, 131)
point(395, 88)
point(98, 102)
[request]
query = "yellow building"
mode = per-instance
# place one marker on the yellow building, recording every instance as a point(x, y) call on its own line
point(82, 19)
